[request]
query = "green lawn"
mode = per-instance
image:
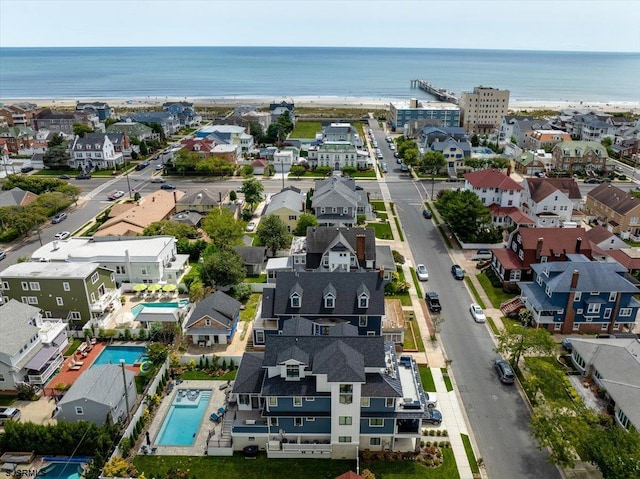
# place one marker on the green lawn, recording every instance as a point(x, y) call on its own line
point(416, 283)
point(306, 129)
point(7, 400)
point(492, 325)
point(445, 237)
point(314, 174)
point(256, 279)
point(395, 218)
point(237, 467)
point(197, 375)
point(382, 216)
point(249, 311)
point(447, 379)
point(75, 344)
point(377, 205)
point(496, 295)
point(473, 289)
point(364, 174)
point(427, 378)
point(412, 341)
point(383, 230)
point(473, 463)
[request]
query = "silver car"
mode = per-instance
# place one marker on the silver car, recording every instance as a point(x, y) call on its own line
point(477, 313)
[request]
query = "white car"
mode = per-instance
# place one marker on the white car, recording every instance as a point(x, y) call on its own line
point(158, 179)
point(477, 313)
point(251, 226)
point(431, 399)
point(421, 271)
point(62, 235)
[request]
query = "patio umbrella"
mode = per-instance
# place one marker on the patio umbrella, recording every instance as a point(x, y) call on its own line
point(148, 439)
point(167, 288)
point(154, 287)
point(140, 287)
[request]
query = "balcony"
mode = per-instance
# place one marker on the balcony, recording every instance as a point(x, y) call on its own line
point(51, 367)
point(109, 301)
point(50, 330)
point(309, 448)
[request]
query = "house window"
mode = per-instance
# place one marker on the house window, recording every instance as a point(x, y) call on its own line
point(5, 285)
point(120, 270)
point(548, 290)
point(577, 296)
point(594, 293)
point(345, 420)
point(543, 259)
point(576, 326)
point(144, 271)
point(344, 439)
point(297, 401)
point(243, 399)
point(376, 422)
point(25, 286)
point(329, 302)
point(365, 402)
point(390, 402)
point(557, 326)
point(363, 301)
point(539, 280)
point(29, 300)
point(59, 301)
point(604, 326)
point(273, 401)
point(613, 296)
point(363, 321)
point(374, 441)
point(94, 277)
point(346, 394)
point(93, 297)
point(293, 371)
point(79, 411)
point(593, 308)
point(607, 313)
point(625, 312)
point(295, 301)
point(2, 379)
point(297, 421)
point(66, 286)
point(35, 286)
point(260, 337)
point(273, 421)
point(75, 315)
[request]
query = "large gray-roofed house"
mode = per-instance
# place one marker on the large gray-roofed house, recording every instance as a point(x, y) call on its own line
point(253, 258)
point(201, 201)
point(99, 391)
point(337, 201)
point(213, 320)
point(287, 205)
point(614, 364)
point(139, 131)
point(359, 242)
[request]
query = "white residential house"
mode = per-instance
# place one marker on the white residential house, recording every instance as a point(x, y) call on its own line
point(551, 202)
point(494, 187)
point(32, 346)
point(337, 155)
point(342, 132)
point(283, 159)
point(94, 151)
point(134, 259)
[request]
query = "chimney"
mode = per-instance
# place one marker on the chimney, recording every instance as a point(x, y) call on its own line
point(381, 272)
point(574, 279)
point(55, 245)
point(578, 243)
point(509, 170)
point(360, 242)
point(539, 248)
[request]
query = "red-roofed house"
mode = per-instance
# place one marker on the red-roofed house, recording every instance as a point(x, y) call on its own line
point(551, 202)
point(493, 186)
point(510, 215)
point(615, 209)
point(603, 239)
point(627, 257)
point(527, 246)
point(202, 146)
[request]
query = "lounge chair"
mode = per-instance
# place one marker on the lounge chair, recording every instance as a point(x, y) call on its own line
point(93, 341)
point(74, 367)
point(214, 417)
point(222, 410)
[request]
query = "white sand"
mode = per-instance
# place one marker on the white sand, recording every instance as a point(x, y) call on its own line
point(316, 101)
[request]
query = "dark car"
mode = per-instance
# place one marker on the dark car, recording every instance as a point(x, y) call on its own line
point(505, 373)
point(83, 176)
point(59, 218)
point(168, 186)
point(566, 344)
point(457, 271)
point(426, 213)
point(432, 416)
point(142, 166)
point(64, 177)
point(592, 180)
point(433, 301)
point(26, 169)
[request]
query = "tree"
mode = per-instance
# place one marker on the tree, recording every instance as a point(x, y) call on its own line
point(223, 268)
point(56, 157)
point(522, 340)
point(252, 190)
point(144, 151)
point(222, 228)
point(233, 196)
point(475, 141)
point(513, 140)
point(80, 129)
point(171, 228)
point(298, 170)
point(615, 451)
point(185, 161)
point(304, 221)
point(215, 166)
point(119, 467)
point(110, 121)
point(157, 352)
point(246, 171)
point(257, 132)
point(465, 214)
point(410, 156)
point(56, 140)
point(431, 162)
point(272, 233)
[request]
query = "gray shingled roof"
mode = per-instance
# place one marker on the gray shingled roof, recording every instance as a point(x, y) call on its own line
point(101, 384)
point(319, 240)
point(618, 200)
point(312, 284)
point(288, 199)
point(218, 306)
point(200, 197)
point(15, 329)
point(251, 254)
point(340, 362)
point(12, 197)
point(250, 374)
point(593, 276)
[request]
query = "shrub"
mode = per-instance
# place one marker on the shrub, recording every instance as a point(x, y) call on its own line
point(125, 446)
point(26, 392)
point(142, 335)
point(397, 257)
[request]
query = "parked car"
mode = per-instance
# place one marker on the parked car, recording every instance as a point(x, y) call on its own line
point(3, 255)
point(421, 271)
point(426, 214)
point(9, 414)
point(457, 271)
point(431, 399)
point(114, 195)
point(64, 177)
point(383, 167)
point(168, 186)
point(566, 344)
point(83, 176)
point(433, 301)
point(432, 416)
point(62, 235)
point(477, 313)
point(539, 174)
point(159, 167)
point(618, 168)
point(482, 254)
point(505, 373)
point(59, 218)
point(404, 167)
point(142, 166)
point(26, 169)
point(251, 226)
point(591, 180)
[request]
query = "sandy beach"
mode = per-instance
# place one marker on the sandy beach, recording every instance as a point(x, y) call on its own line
point(314, 101)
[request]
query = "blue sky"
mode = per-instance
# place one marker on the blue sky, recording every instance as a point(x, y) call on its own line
point(576, 25)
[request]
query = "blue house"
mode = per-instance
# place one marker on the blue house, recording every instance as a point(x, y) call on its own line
point(326, 396)
point(184, 111)
point(580, 295)
point(327, 299)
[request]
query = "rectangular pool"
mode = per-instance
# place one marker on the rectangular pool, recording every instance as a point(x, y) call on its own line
point(182, 422)
point(174, 305)
point(113, 355)
point(60, 470)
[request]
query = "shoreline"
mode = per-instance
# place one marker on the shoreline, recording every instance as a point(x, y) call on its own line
point(314, 101)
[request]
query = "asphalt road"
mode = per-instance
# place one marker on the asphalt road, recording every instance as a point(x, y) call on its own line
point(497, 414)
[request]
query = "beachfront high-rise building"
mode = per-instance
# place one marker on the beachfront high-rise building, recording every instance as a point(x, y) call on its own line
point(483, 109)
point(433, 113)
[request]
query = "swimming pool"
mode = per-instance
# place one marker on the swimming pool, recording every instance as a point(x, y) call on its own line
point(182, 422)
point(59, 470)
point(139, 307)
point(113, 355)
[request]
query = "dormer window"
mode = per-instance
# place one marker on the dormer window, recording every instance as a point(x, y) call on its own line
point(329, 301)
point(293, 371)
point(295, 300)
point(363, 301)
point(329, 294)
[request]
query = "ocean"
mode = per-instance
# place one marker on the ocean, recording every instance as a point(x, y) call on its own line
point(282, 72)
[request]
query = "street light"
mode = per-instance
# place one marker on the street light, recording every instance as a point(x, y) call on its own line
point(126, 390)
point(282, 171)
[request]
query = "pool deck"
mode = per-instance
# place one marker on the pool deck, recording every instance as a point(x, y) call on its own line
point(206, 429)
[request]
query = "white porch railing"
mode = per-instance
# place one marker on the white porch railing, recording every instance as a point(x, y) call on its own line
point(112, 296)
point(41, 379)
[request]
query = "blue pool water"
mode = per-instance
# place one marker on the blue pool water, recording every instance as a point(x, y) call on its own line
point(60, 470)
point(113, 355)
point(139, 307)
point(183, 420)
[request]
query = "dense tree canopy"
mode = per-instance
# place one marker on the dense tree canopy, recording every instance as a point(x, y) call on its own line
point(171, 228)
point(253, 191)
point(304, 221)
point(272, 233)
point(223, 268)
point(467, 217)
point(431, 162)
point(222, 228)
point(80, 129)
